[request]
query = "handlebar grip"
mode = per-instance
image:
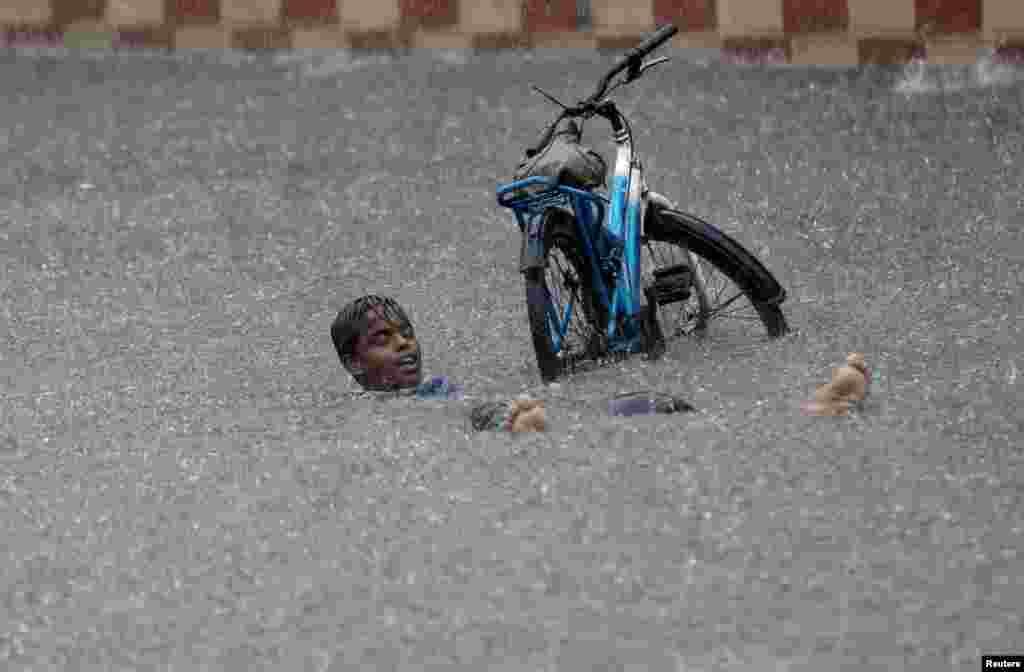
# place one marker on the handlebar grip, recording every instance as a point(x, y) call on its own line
point(655, 40)
point(650, 43)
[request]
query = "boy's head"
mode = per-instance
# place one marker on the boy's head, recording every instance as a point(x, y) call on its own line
point(375, 341)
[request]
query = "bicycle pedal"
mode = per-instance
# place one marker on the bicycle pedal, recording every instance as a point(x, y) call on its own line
point(672, 284)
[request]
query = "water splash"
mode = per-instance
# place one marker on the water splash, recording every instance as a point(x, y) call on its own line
point(990, 70)
point(993, 71)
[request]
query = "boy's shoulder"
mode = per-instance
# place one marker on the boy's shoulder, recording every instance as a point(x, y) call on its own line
point(439, 387)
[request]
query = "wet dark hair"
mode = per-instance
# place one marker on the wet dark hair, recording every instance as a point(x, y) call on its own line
point(352, 321)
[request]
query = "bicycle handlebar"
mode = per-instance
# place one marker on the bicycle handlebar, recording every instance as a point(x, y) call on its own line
point(631, 60)
point(634, 55)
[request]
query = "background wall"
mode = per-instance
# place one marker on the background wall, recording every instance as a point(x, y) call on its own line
point(826, 32)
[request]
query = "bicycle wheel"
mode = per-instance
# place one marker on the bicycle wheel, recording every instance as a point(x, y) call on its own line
point(730, 287)
point(566, 321)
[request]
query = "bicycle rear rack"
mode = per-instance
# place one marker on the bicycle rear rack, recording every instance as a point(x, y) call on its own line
point(527, 202)
point(537, 202)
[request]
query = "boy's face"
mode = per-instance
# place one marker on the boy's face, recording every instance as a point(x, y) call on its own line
point(388, 352)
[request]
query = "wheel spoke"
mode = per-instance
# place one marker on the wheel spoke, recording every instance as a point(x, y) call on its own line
point(721, 307)
point(564, 277)
point(725, 301)
point(733, 316)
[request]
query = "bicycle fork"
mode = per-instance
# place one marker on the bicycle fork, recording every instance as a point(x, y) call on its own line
point(624, 221)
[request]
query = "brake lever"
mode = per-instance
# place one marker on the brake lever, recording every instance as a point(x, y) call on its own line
point(650, 64)
point(638, 69)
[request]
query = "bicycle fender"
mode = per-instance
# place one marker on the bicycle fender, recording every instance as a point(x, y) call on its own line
point(531, 253)
point(660, 201)
point(704, 239)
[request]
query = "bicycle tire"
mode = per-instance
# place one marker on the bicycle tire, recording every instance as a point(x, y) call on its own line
point(724, 255)
point(586, 323)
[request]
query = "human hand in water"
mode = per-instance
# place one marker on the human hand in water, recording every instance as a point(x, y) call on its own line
point(528, 416)
point(848, 386)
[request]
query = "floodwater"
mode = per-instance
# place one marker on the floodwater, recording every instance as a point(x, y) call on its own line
point(187, 482)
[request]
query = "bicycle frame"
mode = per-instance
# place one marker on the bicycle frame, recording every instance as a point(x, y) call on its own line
point(625, 210)
point(624, 222)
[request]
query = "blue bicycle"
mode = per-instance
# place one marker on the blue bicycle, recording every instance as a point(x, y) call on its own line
point(588, 260)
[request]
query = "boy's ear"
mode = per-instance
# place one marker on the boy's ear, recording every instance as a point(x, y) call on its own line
point(355, 365)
